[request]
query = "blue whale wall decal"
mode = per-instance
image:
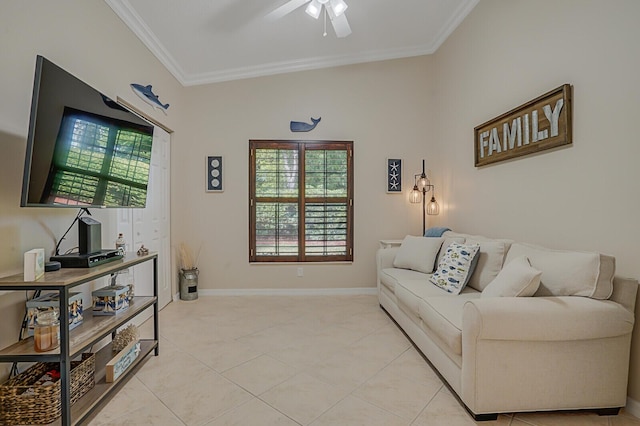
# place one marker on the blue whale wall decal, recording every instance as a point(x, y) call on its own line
point(148, 96)
point(299, 126)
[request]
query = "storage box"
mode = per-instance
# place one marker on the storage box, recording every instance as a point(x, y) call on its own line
point(51, 301)
point(110, 300)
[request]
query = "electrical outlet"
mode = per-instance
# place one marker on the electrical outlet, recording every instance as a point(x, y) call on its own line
point(300, 272)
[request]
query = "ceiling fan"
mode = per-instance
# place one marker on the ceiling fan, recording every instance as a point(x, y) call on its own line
point(334, 8)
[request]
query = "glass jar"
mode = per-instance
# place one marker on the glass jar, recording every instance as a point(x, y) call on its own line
point(124, 278)
point(46, 334)
point(121, 244)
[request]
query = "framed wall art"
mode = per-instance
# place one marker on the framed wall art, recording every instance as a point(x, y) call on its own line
point(542, 123)
point(394, 175)
point(214, 173)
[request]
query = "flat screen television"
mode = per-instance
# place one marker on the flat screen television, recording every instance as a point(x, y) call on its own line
point(83, 149)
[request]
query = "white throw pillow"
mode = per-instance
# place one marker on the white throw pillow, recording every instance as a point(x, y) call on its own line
point(517, 279)
point(455, 267)
point(418, 253)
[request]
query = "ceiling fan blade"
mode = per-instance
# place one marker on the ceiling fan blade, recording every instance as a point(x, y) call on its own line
point(340, 24)
point(285, 9)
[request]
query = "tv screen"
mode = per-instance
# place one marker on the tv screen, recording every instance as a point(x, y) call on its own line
point(83, 149)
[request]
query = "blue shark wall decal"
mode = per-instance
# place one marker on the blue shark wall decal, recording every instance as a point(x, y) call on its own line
point(299, 126)
point(148, 96)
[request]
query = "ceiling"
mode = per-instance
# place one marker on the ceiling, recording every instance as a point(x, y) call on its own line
point(208, 41)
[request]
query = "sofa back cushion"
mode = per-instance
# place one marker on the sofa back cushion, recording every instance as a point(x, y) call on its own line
point(418, 253)
point(568, 273)
point(491, 258)
point(451, 234)
point(490, 261)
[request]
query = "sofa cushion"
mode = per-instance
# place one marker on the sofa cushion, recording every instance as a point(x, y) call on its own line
point(418, 253)
point(390, 276)
point(443, 316)
point(456, 266)
point(569, 273)
point(490, 261)
point(411, 292)
point(517, 279)
point(451, 234)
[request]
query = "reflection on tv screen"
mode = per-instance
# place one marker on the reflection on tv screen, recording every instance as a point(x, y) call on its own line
point(98, 160)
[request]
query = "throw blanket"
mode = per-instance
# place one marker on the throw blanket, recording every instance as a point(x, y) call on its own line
point(436, 231)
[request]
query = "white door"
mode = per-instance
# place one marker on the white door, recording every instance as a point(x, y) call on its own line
point(151, 226)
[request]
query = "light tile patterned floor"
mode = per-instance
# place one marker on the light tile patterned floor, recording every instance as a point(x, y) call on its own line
point(316, 361)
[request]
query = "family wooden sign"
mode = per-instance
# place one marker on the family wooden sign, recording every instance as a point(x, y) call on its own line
point(538, 125)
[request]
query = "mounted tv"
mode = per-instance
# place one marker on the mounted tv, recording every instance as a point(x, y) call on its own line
point(83, 149)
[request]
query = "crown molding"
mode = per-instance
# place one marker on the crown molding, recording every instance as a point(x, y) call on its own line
point(130, 17)
point(303, 65)
point(456, 19)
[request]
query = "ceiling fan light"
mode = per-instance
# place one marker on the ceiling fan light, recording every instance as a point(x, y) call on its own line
point(338, 7)
point(313, 9)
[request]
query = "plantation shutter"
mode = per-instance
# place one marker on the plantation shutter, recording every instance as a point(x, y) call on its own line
point(301, 201)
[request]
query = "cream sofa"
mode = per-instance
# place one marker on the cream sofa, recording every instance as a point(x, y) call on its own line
point(566, 348)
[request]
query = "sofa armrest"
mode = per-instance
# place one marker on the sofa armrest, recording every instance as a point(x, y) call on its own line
point(385, 256)
point(563, 318)
point(544, 353)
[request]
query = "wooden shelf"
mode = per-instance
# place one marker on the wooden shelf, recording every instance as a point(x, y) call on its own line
point(69, 277)
point(92, 329)
point(103, 390)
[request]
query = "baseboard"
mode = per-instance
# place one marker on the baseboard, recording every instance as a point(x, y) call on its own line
point(633, 407)
point(360, 291)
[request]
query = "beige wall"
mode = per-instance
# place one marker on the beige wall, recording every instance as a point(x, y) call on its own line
point(87, 39)
point(383, 107)
point(585, 197)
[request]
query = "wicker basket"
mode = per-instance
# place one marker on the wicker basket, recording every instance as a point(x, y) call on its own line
point(43, 405)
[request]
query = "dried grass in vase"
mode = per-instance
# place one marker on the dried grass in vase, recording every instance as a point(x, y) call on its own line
point(187, 261)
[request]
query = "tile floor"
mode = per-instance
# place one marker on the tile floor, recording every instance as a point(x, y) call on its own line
point(294, 361)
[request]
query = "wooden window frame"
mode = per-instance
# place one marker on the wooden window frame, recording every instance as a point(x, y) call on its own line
point(301, 146)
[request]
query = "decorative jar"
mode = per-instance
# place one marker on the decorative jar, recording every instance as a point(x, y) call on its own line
point(46, 335)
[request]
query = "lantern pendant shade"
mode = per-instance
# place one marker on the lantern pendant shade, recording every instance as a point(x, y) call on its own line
point(433, 208)
point(416, 195)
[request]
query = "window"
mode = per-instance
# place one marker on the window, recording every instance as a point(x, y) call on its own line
point(301, 201)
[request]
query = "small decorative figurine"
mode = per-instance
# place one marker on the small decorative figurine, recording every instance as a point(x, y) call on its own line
point(147, 95)
point(299, 126)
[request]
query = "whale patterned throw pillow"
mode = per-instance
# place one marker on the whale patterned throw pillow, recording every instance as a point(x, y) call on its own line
point(455, 267)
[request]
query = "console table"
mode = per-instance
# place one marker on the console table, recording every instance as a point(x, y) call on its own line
point(81, 338)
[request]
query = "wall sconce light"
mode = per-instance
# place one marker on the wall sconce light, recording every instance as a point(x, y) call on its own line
point(422, 185)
